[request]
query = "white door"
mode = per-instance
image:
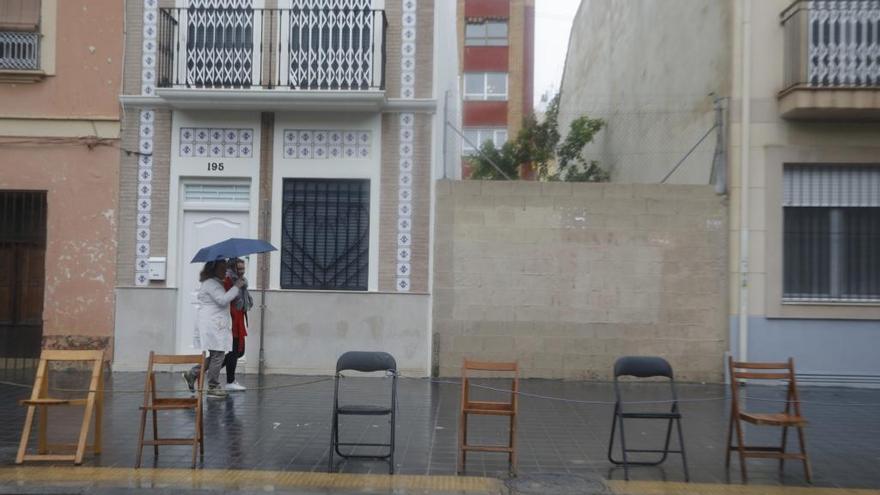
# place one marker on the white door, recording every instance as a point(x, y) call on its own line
point(200, 229)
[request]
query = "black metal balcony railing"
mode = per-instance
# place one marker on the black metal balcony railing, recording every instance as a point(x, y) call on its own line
point(19, 51)
point(301, 49)
point(832, 43)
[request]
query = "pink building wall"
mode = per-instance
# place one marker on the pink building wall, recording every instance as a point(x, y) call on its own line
point(80, 100)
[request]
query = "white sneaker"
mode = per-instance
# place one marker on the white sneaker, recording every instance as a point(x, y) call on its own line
point(235, 386)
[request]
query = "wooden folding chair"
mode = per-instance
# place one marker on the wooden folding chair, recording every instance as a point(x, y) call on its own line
point(490, 408)
point(93, 402)
point(790, 418)
point(154, 404)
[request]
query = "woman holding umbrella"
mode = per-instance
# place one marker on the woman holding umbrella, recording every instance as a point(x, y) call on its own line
point(213, 332)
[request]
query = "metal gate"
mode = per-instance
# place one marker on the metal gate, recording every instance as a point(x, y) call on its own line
point(22, 276)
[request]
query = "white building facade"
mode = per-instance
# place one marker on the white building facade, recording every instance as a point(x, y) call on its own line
point(314, 124)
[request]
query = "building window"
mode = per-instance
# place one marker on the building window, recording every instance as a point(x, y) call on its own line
point(488, 33)
point(479, 136)
point(485, 86)
point(325, 227)
point(831, 246)
point(19, 34)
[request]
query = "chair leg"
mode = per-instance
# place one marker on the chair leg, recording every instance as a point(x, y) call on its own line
point(684, 459)
point(511, 457)
point(623, 448)
point(391, 456)
point(99, 418)
point(740, 447)
point(333, 441)
point(42, 427)
point(25, 434)
point(808, 471)
point(462, 442)
point(155, 432)
point(141, 438)
point(84, 430)
point(200, 422)
point(611, 439)
point(729, 443)
point(782, 448)
point(195, 444)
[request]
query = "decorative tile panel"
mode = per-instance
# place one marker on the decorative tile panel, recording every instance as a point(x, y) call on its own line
point(145, 146)
point(216, 142)
point(407, 145)
point(325, 144)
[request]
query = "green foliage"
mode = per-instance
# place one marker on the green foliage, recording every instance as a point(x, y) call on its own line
point(537, 143)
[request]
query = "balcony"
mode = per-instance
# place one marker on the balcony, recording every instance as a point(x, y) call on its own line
point(832, 60)
point(271, 58)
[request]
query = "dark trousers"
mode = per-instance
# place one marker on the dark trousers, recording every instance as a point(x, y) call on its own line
point(231, 359)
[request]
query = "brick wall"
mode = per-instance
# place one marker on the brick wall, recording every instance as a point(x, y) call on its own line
point(565, 278)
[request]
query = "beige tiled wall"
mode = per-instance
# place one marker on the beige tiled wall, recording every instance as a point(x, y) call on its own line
point(565, 278)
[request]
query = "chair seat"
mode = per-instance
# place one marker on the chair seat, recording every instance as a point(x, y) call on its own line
point(775, 419)
point(364, 410)
point(487, 407)
point(172, 403)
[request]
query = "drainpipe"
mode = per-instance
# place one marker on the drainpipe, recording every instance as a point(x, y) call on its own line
point(744, 165)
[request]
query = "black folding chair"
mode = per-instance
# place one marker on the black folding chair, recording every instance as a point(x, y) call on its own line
point(645, 367)
point(364, 362)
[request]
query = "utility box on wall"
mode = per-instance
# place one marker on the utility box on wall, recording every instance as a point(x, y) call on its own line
point(157, 268)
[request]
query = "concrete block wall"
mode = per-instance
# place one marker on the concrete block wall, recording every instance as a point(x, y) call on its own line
point(565, 277)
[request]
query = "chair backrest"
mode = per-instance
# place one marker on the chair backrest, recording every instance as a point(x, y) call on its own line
point(72, 355)
point(366, 361)
point(41, 381)
point(489, 366)
point(642, 367)
point(162, 359)
point(744, 370)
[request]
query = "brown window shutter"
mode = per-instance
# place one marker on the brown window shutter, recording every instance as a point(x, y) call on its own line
point(19, 15)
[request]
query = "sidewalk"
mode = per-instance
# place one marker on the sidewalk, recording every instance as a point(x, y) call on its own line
point(285, 428)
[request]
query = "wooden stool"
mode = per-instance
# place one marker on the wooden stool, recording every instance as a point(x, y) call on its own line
point(490, 408)
point(155, 404)
point(93, 402)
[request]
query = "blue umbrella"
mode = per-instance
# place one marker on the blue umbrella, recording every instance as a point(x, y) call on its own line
point(232, 248)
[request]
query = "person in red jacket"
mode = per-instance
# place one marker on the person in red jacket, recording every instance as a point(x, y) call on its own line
point(238, 309)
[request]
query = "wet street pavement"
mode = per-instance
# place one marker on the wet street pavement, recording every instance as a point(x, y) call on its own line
point(281, 427)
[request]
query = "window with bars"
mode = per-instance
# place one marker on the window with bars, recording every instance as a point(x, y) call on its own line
point(20, 34)
point(831, 243)
point(325, 227)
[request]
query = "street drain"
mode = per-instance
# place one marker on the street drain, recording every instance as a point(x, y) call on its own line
point(556, 484)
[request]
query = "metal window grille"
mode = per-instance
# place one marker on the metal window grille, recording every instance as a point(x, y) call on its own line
point(325, 234)
point(19, 51)
point(22, 276)
point(831, 246)
point(220, 43)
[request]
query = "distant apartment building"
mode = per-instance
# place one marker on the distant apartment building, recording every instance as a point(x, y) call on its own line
point(799, 87)
point(60, 76)
point(497, 43)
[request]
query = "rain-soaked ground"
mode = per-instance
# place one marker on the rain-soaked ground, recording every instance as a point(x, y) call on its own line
point(282, 423)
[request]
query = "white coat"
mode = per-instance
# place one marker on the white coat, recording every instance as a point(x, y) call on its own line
point(213, 330)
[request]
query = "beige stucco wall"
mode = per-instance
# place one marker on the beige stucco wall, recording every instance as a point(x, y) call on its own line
point(773, 142)
point(565, 278)
point(76, 100)
point(637, 65)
